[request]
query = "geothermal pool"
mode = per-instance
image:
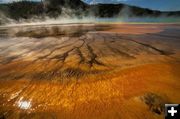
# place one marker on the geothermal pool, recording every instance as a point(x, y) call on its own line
point(140, 19)
point(89, 71)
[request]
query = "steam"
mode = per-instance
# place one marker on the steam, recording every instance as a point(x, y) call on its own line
point(4, 19)
point(126, 15)
point(48, 21)
point(68, 15)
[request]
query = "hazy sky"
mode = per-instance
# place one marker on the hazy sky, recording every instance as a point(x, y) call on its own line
point(165, 5)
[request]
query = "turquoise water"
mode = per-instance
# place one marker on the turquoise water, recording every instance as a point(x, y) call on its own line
point(140, 20)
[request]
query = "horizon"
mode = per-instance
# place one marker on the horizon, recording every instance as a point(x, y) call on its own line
point(172, 5)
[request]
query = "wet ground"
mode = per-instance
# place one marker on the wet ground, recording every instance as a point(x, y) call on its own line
point(89, 71)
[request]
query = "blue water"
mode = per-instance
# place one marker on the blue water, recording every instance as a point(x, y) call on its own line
point(140, 20)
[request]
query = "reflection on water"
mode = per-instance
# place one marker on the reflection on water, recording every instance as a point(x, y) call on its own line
point(41, 31)
point(141, 19)
point(24, 104)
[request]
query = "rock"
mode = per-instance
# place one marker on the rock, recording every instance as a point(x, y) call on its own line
point(154, 102)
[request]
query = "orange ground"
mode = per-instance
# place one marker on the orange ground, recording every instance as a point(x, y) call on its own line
point(120, 72)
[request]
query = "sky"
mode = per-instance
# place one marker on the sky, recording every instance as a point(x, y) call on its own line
point(163, 5)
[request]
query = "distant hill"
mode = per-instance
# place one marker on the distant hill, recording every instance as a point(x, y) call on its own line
point(22, 9)
point(54, 8)
point(104, 10)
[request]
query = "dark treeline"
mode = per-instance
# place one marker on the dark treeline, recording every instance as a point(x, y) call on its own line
point(54, 8)
point(23, 9)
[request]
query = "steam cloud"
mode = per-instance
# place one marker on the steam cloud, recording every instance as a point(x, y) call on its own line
point(78, 15)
